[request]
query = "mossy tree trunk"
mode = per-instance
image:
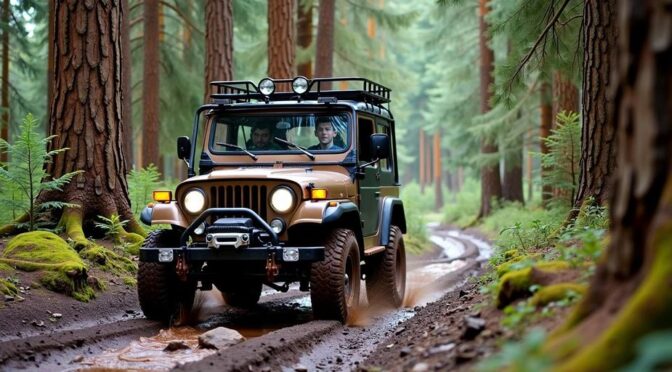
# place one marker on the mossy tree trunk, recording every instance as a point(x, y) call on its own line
point(86, 113)
point(491, 184)
point(598, 147)
point(631, 293)
point(218, 42)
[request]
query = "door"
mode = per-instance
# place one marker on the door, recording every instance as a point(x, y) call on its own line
point(369, 184)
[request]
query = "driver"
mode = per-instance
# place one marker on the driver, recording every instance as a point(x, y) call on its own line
point(261, 139)
point(325, 133)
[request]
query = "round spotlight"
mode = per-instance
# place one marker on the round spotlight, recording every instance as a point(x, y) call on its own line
point(277, 225)
point(300, 85)
point(266, 86)
point(200, 229)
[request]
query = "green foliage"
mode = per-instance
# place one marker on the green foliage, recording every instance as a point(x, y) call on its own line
point(654, 353)
point(112, 226)
point(141, 183)
point(466, 205)
point(25, 176)
point(524, 356)
point(562, 159)
point(108, 260)
point(416, 205)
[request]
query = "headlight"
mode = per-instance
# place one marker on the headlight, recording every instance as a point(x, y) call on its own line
point(282, 199)
point(277, 225)
point(194, 201)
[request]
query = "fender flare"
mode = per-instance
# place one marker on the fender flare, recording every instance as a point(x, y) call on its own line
point(392, 213)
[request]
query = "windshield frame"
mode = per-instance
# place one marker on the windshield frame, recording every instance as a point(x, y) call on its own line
point(343, 110)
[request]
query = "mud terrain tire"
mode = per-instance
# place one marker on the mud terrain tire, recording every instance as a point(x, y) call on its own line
point(386, 279)
point(335, 281)
point(244, 296)
point(160, 293)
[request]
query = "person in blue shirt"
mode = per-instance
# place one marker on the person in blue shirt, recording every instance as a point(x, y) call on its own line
point(325, 133)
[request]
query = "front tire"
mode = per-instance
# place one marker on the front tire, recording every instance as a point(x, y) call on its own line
point(386, 280)
point(161, 294)
point(335, 281)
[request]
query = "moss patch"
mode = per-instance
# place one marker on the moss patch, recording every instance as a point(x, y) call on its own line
point(108, 261)
point(556, 292)
point(62, 270)
point(4, 268)
point(8, 288)
point(516, 284)
point(132, 242)
point(516, 263)
point(129, 281)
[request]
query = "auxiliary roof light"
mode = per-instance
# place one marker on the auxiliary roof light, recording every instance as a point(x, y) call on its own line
point(266, 86)
point(300, 85)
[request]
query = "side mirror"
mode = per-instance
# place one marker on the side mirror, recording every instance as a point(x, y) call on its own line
point(183, 147)
point(380, 145)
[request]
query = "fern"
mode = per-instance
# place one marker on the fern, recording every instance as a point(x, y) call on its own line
point(141, 183)
point(111, 226)
point(25, 176)
point(562, 160)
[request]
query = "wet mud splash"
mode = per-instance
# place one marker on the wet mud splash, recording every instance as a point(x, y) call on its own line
point(149, 353)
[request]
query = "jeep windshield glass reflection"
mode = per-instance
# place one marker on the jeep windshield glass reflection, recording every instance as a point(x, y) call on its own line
point(256, 133)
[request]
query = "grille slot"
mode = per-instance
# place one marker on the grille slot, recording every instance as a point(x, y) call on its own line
point(252, 197)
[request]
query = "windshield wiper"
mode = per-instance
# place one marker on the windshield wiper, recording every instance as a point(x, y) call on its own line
point(308, 153)
point(237, 148)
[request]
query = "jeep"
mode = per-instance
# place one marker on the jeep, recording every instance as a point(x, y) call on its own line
point(297, 182)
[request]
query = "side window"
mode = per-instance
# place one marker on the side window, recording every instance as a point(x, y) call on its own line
point(364, 131)
point(382, 127)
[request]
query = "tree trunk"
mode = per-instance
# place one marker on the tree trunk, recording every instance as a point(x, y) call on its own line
point(512, 185)
point(530, 166)
point(218, 42)
point(630, 295)
point(4, 134)
point(50, 62)
point(150, 84)
point(281, 45)
point(438, 184)
point(304, 26)
point(87, 114)
point(546, 109)
point(565, 95)
point(422, 160)
point(324, 57)
point(598, 149)
point(491, 186)
point(126, 86)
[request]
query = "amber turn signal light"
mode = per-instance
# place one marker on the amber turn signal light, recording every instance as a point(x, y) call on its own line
point(318, 194)
point(162, 196)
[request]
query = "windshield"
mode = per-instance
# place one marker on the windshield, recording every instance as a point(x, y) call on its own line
point(256, 133)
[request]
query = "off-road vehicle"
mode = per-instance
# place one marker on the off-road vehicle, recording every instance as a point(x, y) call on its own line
point(299, 185)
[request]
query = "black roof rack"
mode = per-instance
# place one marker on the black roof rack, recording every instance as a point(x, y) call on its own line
point(358, 89)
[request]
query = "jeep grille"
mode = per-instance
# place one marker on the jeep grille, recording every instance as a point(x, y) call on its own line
point(252, 197)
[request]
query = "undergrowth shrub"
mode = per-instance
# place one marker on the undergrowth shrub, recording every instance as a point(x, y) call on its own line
point(416, 205)
point(141, 183)
point(466, 206)
point(562, 159)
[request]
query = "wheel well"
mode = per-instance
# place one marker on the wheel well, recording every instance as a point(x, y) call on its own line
point(305, 234)
point(398, 217)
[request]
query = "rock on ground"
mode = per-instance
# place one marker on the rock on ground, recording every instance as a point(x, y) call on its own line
point(220, 338)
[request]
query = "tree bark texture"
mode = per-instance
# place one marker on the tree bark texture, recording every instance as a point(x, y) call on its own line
point(86, 112)
point(150, 84)
point(598, 148)
point(512, 184)
point(50, 61)
point(304, 28)
point(4, 134)
point(630, 295)
point(546, 123)
point(126, 86)
point(491, 186)
point(438, 184)
point(324, 51)
point(281, 43)
point(218, 42)
point(565, 95)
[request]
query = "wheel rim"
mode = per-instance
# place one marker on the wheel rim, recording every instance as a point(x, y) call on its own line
point(348, 282)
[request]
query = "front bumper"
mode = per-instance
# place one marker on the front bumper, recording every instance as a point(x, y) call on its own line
point(269, 248)
point(306, 254)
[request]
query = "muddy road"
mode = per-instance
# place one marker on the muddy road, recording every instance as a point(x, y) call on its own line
point(280, 332)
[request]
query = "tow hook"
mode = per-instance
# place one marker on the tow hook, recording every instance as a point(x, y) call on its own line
point(181, 268)
point(272, 269)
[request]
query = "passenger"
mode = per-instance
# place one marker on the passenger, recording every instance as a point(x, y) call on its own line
point(262, 139)
point(325, 133)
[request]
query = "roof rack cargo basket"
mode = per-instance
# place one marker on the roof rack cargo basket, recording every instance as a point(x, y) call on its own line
point(351, 88)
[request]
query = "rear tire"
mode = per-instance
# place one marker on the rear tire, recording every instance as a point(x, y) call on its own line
point(242, 296)
point(386, 279)
point(335, 281)
point(161, 294)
